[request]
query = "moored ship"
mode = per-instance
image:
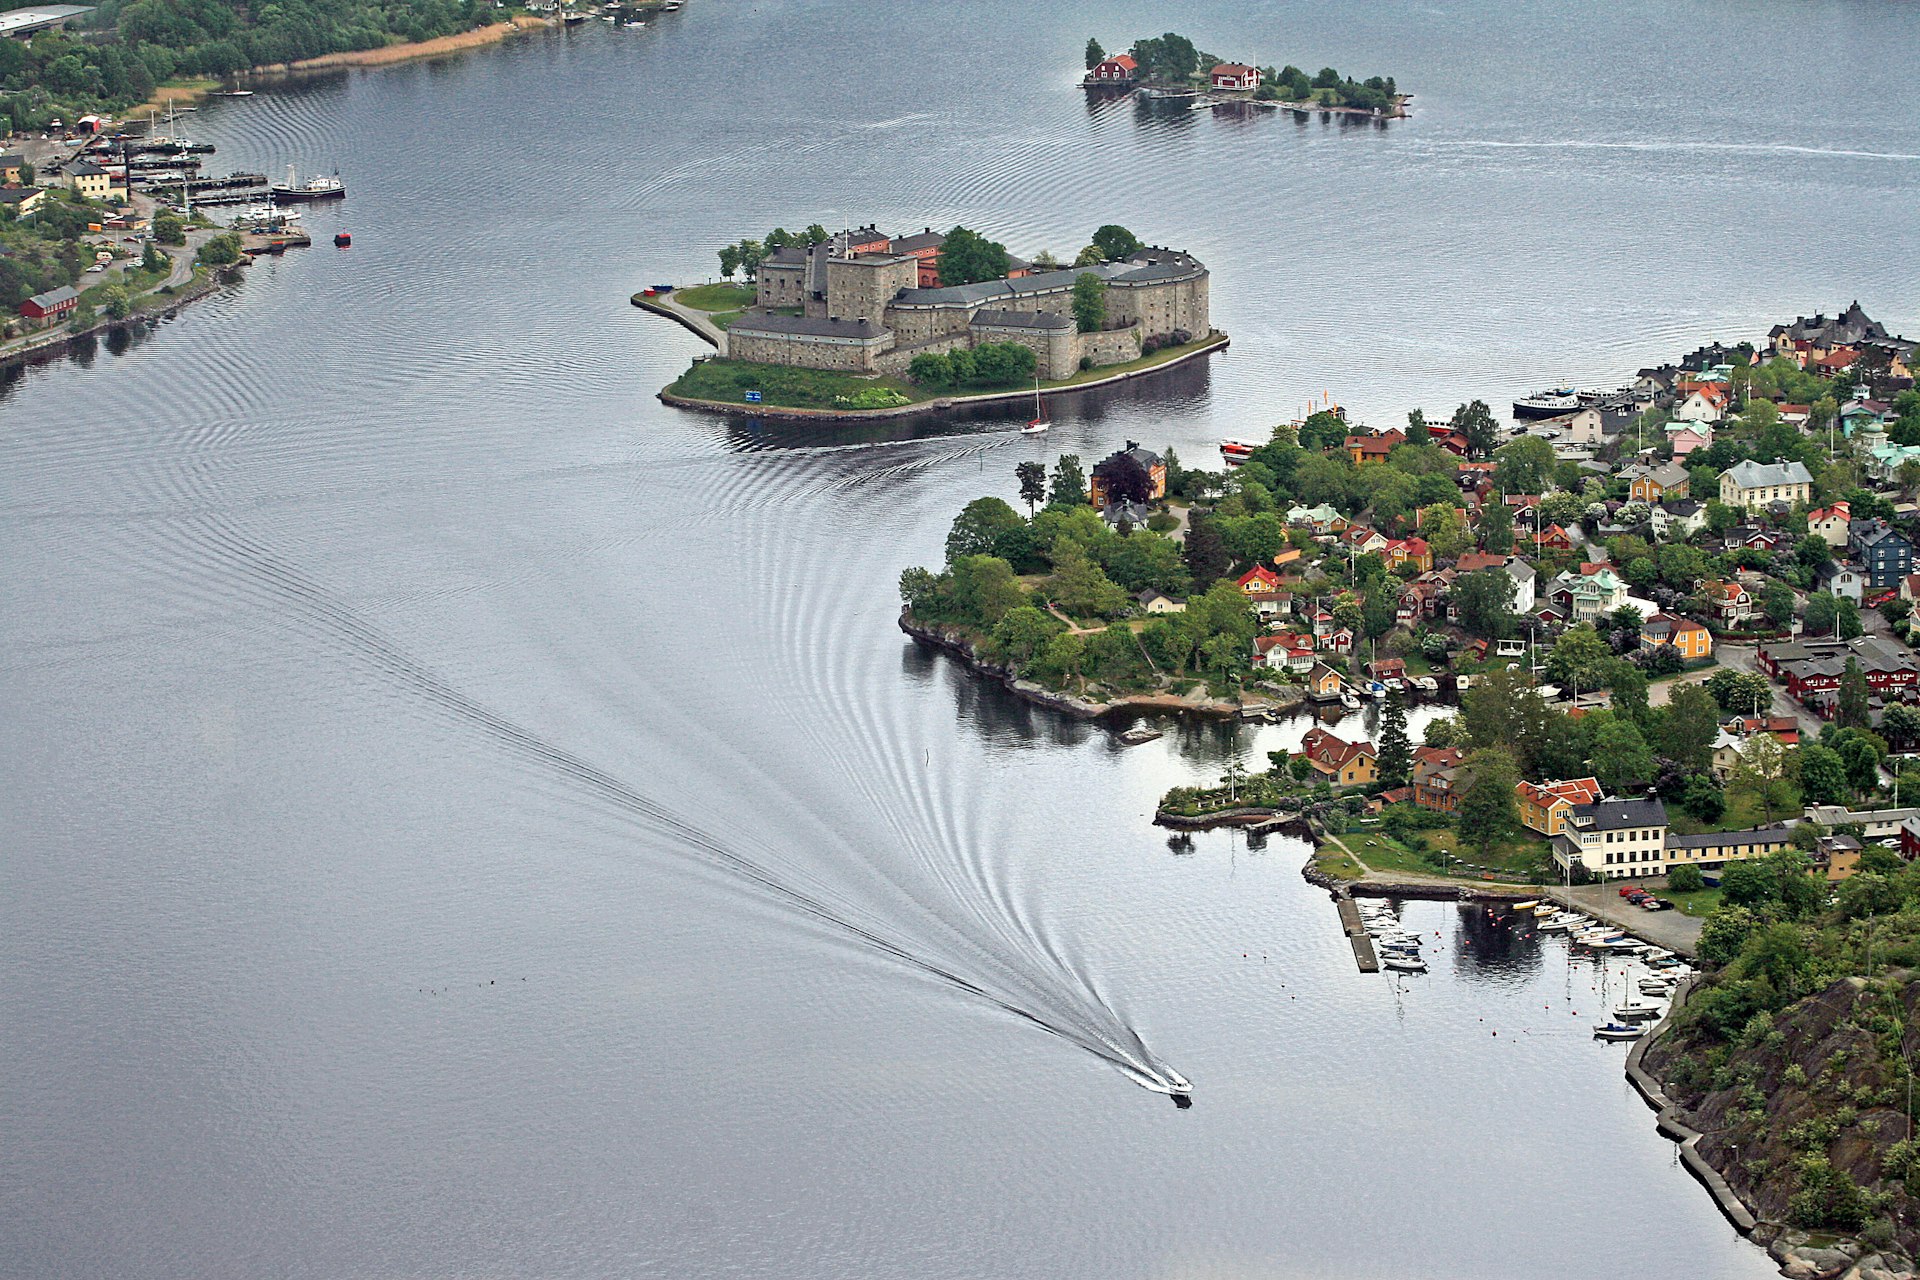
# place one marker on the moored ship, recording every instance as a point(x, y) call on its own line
point(322, 186)
point(1548, 404)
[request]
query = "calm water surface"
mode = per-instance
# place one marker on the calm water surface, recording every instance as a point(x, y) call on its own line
point(464, 818)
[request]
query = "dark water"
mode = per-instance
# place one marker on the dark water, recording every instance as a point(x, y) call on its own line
point(464, 818)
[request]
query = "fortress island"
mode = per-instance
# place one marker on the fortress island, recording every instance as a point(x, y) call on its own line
point(859, 322)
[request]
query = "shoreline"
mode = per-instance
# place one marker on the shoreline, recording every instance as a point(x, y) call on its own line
point(1219, 341)
point(59, 342)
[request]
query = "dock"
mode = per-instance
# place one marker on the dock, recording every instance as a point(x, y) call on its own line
point(1357, 935)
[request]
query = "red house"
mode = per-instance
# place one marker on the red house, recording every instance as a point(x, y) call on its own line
point(1235, 75)
point(48, 307)
point(926, 247)
point(1119, 69)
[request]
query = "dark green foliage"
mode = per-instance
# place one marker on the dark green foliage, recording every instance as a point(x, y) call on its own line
point(1685, 879)
point(1115, 242)
point(968, 257)
point(1396, 751)
point(1089, 302)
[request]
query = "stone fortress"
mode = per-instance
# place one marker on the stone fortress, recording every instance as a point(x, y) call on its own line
point(856, 303)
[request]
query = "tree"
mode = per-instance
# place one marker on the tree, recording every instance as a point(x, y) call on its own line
point(1621, 758)
point(1116, 242)
point(1689, 728)
point(967, 257)
point(1747, 693)
point(983, 588)
point(1124, 478)
point(1095, 54)
point(1033, 483)
point(221, 251)
point(1080, 586)
point(1396, 751)
point(1089, 257)
point(752, 254)
point(1760, 778)
point(1523, 466)
point(1579, 658)
point(1069, 482)
point(1089, 302)
point(1496, 528)
point(1206, 552)
point(1145, 561)
point(977, 530)
point(1475, 421)
point(778, 238)
point(816, 234)
point(1379, 611)
point(1445, 530)
point(1685, 879)
point(1900, 723)
point(1487, 809)
point(1704, 799)
point(1852, 710)
point(1777, 602)
point(168, 229)
point(1485, 600)
point(115, 302)
point(1022, 634)
point(1629, 686)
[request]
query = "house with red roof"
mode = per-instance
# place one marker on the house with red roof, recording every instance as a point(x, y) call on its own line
point(1544, 805)
point(1343, 763)
point(1437, 783)
point(1374, 448)
point(1553, 538)
point(1119, 70)
point(1830, 523)
point(1235, 77)
point(1258, 579)
point(1413, 551)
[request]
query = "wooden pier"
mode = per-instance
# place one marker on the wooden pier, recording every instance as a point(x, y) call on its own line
point(1357, 935)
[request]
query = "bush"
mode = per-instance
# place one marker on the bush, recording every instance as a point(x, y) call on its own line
point(1086, 363)
point(1685, 879)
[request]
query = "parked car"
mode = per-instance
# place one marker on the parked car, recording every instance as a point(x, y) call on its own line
point(1627, 890)
point(1657, 904)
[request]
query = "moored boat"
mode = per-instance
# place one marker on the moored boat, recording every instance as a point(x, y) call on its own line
point(1235, 452)
point(1548, 404)
point(321, 186)
point(1618, 1031)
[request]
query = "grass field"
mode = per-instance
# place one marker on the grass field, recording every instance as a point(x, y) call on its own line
point(714, 297)
point(786, 386)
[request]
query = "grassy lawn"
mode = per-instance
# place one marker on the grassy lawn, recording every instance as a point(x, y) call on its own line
point(1697, 903)
point(715, 297)
point(1517, 857)
point(1335, 863)
point(785, 385)
point(1099, 371)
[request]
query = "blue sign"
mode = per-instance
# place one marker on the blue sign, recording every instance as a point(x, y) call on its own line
point(753, 397)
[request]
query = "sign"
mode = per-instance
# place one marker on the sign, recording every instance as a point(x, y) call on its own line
point(753, 397)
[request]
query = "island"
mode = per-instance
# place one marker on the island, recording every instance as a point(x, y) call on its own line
point(1172, 66)
point(859, 323)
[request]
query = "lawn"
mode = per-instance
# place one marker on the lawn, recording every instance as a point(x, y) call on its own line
point(789, 386)
point(714, 297)
point(1698, 902)
point(1517, 857)
point(1161, 356)
point(1335, 863)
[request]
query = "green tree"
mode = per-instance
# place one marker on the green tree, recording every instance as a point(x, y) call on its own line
point(1396, 750)
point(1776, 601)
point(1621, 758)
point(1685, 878)
point(1116, 242)
point(1206, 551)
point(1033, 483)
point(967, 257)
point(1852, 710)
point(983, 588)
point(1524, 465)
point(1496, 528)
point(752, 254)
point(1069, 482)
point(1095, 54)
point(1688, 729)
point(222, 250)
point(729, 260)
point(1474, 420)
point(1579, 658)
point(1089, 302)
point(1145, 561)
point(115, 302)
point(169, 229)
point(1487, 811)
point(816, 234)
point(1485, 600)
point(1378, 611)
point(1445, 530)
point(976, 531)
point(1022, 634)
point(1081, 587)
point(1760, 778)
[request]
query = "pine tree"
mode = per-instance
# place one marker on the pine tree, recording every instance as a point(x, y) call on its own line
point(1206, 553)
point(1396, 751)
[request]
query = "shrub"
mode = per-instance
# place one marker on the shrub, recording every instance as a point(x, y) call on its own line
point(1086, 363)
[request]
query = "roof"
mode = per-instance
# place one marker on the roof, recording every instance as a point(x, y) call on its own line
point(1231, 69)
point(54, 297)
point(1716, 839)
point(18, 22)
point(995, 317)
point(1122, 59)
point(928, 239)
point(1614, 815)
point(19, 195)
point(1571, 791)
point(84, 169)
point(1142, 267)
point(1754, 475)
point(807, 326)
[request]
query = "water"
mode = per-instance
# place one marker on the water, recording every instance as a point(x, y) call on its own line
point(466, 818)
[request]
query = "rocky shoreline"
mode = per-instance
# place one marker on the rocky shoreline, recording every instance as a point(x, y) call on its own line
point(952, 640)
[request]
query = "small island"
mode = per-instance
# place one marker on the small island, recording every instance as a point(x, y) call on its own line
point(1173, 66)
point(859, 323)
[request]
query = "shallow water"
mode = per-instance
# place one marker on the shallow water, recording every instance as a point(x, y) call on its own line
point(467, 818)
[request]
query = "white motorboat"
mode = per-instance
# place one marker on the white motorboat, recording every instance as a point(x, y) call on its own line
point(1528, 905)
point(1375, 689)
point(1635, 1012)
point(1655, 987)
point(1618, 1031)
point(1348, 701)
point(1405, 964)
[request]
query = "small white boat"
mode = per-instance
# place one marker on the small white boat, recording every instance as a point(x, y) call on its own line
point(1425, 684)
point(1375, 689)
point(1547, 910)
point(1039, 422)
point(1528, 905)
point(1348, 701)
point(1405, 964)
point(1635, 1012)
point(1618, 1031)
point(1655, 987)
point(1553, 925)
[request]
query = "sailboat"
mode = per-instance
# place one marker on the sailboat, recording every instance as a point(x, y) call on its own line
point(1039, 422)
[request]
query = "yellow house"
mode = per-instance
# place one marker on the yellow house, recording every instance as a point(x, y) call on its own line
point(93, 182)
point(1544, 805)
point(1359, 767)
point(1689, 637)
point(1324, 683)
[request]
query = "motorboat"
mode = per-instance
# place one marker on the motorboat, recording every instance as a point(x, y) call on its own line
point(1404, 964)
point(1634, 1012)
point(1528, 905)
point(1618, 1031)
point(1348, 701)
point(1235, 452)
point(1425, 684)
point(1655, 987)
point(1546, 910)
point(1553, 924)
point(1375, 689)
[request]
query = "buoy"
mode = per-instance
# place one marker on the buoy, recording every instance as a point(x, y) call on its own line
point(341, 239)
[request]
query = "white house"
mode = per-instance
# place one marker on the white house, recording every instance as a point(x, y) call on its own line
point(1697, 406)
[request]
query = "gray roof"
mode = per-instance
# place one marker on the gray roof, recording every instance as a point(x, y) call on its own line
point(54, 297)
point(928, 239)
point(1144, 267)
point(1716, 839)
point(807, 326)
point(15, 195)
point(1021, 319)
point(1753, 475)
point(1614, 815)
point(85, 168)
point(18, 22)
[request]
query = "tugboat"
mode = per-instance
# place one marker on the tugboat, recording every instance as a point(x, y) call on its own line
point(318, 187)
point(1548, 404)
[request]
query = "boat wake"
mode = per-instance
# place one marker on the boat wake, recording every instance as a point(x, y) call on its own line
point(293, 599)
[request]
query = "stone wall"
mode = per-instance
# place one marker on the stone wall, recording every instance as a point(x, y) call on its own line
point(1163, 306)
point(1054, 351)
point(912, 325)
point(895, 361)
point(1109, 346)
point(861, 288)
point(844, 354)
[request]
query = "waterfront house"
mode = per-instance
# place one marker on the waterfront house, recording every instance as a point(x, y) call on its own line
point(1692, 640)
point(1544, 806)
point(1831, 524)
point(93, 182)
point(1235, 77)
point(51, 307)
point(1340, 641)
point(1285, 652)
point(1717, 848)
point(1108, 469)
point(1755, 484)
point(1614, 839)
point(1324, 684)
point(1883, 551)
point(1342, 763)
point(1120, 69)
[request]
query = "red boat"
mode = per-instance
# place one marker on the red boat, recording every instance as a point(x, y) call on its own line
point(341, 239)
point(1236, 451)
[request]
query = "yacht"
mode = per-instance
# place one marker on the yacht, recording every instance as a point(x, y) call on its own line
point(1633, 1011)
point(1235, 452)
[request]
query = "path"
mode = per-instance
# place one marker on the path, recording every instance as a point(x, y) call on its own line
point(701, 322)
